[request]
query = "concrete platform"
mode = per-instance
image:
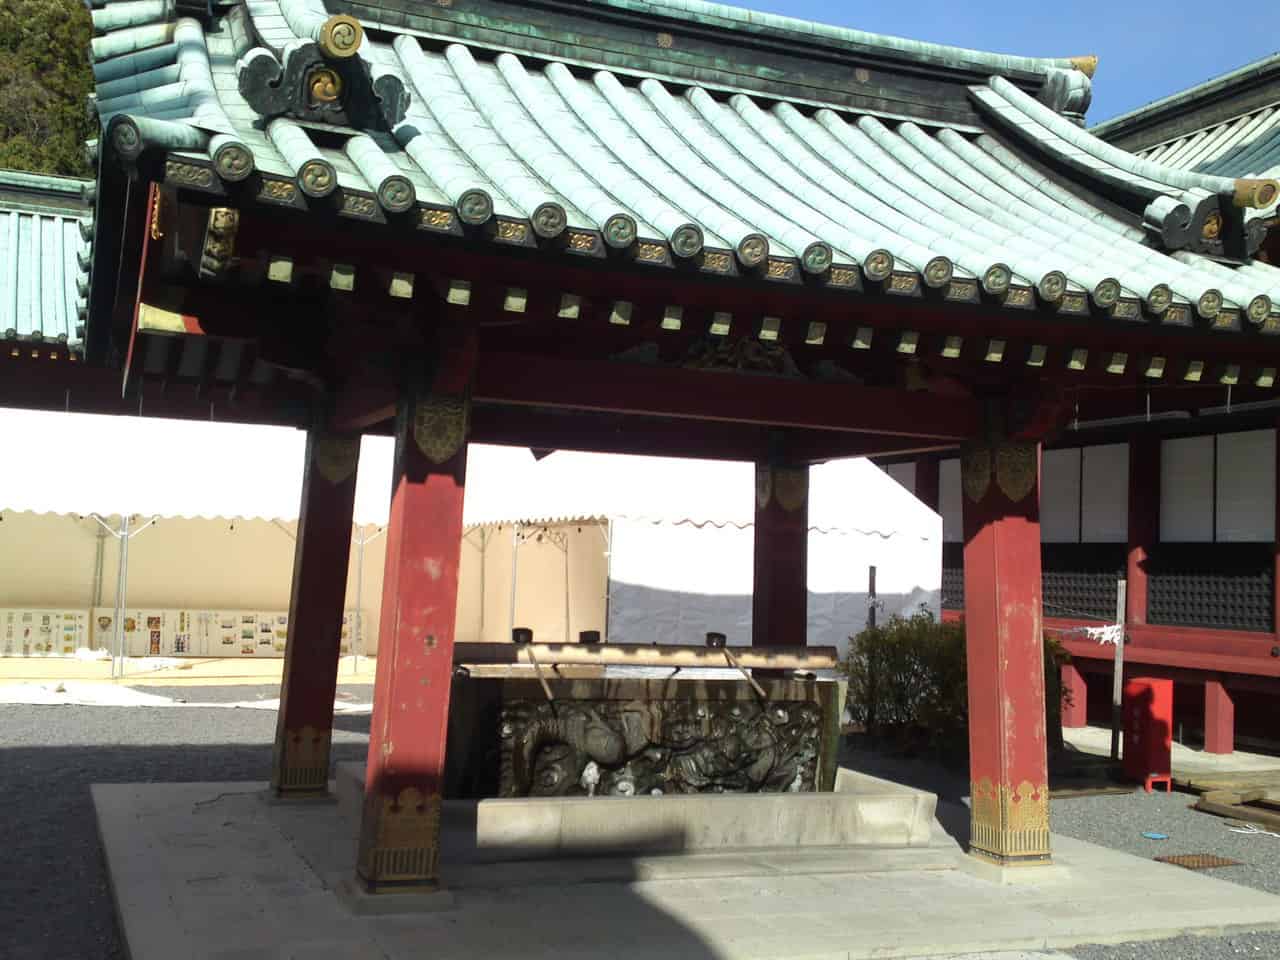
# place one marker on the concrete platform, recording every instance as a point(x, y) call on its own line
point(1187, 763)
point(863, 811)
point(209, 871)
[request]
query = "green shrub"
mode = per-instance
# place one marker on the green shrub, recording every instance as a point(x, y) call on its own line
point(908, 681)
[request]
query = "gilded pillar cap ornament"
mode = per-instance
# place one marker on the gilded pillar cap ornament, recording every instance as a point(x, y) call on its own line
point(340, 37)
point(1259, 309)
point(816, 258)
point(475, 207)
point(1052, 286)
point(549, 220)
point(878, 265)
point(1159, 298)
point(938, 272)
point(687, 240)
point(619, 231)
point(1256, 193)
point(1106, 292)
point(1209, 305)
point(997, 278)
point(753, 250)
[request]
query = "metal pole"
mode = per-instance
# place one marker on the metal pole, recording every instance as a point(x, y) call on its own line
point(99, 558)
point(1117, 677)
point(871, 598)
point(566, 585)
point(122, 589)
point(358, 645)
point(607, 530)
point(515, 553)
point(484, 544)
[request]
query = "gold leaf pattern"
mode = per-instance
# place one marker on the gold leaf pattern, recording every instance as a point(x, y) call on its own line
point(1010, 823)
point(437, 219)
point(336, 455)
point(1016, 469)
point(440, 425)
point(188, 174)
point(975, 471)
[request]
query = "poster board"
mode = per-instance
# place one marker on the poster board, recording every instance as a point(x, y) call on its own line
point(42, 632)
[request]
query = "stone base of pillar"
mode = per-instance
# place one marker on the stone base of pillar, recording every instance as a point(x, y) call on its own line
point(421, 898)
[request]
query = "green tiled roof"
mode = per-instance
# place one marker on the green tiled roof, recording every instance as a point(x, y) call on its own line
point(44, 258)
point(1228, 126)
point(1017, 202)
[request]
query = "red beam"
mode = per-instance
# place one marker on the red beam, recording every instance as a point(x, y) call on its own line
point(518, 379)
point(1213, 651)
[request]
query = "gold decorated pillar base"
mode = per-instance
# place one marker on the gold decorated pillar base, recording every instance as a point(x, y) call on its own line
point(301, 762)
point(1010, 826)
point(400, 842)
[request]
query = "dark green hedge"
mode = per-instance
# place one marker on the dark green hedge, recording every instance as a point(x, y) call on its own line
point(908, 679)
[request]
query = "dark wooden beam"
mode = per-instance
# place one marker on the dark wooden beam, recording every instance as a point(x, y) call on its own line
point(523, 380)
point(44, 384)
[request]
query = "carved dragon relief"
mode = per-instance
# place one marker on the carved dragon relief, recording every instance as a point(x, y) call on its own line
point(630, 748)
point(306, 85)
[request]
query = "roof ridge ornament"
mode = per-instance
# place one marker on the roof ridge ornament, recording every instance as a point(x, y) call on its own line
point(1068, 92)
point(323, 80)
point(1087, 64)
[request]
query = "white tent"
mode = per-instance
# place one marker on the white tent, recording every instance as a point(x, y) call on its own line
point(681, 537)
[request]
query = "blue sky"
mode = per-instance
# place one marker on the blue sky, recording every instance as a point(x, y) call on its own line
point(1147, 49)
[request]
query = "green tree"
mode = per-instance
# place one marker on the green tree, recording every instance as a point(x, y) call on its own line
point(44, 82)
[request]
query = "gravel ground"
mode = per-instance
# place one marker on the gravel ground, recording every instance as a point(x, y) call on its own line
point(54, 900)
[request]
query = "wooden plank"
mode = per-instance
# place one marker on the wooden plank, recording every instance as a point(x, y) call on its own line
point(1240, 812)
point(1233, 797)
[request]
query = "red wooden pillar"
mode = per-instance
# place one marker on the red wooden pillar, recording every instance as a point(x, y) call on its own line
point(400, 827)
point(304, 723)
point(780, 591)
point(1144, 521)
point(1075, 702)
point(1008, 764)
point(927, 481)
point(1275, 575)
point(1219, 718)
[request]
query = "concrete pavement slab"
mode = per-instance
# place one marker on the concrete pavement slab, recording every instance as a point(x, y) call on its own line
point(207, 870)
